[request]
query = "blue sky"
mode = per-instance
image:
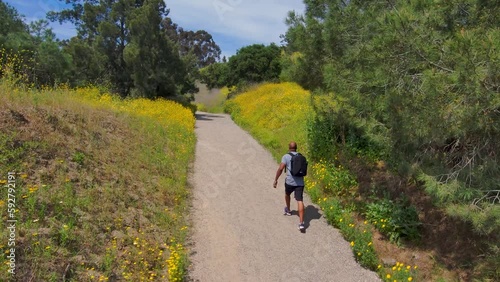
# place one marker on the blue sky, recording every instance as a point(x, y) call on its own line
point(232, 23)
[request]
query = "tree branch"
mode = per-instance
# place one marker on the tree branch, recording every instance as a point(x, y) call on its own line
point(434, 64)
point(491, 196)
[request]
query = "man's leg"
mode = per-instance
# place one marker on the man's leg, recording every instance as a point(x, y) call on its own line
point(287, 201)
point(301, 210)
point(299, 193)
point(288, 191)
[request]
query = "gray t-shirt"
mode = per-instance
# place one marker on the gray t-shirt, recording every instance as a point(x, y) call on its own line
point(291, 180)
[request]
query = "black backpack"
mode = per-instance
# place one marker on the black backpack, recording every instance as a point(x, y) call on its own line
point(299, 165)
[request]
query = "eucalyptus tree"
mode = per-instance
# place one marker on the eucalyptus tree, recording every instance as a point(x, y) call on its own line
point(123, 41)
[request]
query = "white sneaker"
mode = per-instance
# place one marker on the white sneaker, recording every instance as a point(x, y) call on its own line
point(287, 211)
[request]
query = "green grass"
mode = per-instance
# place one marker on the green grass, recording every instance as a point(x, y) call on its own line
point(101, 192)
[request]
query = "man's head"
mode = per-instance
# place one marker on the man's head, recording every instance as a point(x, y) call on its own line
point(292, 146)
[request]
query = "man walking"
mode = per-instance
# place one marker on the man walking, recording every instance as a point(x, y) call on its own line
point(292, 184)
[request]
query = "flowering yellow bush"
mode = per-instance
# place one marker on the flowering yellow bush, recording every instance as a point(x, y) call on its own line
point(400, 272)
point(16, 66)
point(226, 90)
point(167, 113)
point(333, 180)
point(176, 262)
point(275, 114)
point(179, 122)
point(274, 106)
point(177, 119)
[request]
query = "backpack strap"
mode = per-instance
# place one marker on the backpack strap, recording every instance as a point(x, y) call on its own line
point(291, 155)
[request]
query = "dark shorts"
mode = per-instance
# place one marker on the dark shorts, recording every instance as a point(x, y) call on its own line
point(298, 191)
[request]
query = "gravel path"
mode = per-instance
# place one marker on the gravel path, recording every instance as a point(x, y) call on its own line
point(240, 233)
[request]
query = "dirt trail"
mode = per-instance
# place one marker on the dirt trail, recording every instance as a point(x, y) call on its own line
point(240, 233)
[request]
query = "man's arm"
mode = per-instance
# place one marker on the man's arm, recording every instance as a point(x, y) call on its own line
point(278, 174)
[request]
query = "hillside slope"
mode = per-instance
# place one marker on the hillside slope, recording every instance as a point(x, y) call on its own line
point(100, 185)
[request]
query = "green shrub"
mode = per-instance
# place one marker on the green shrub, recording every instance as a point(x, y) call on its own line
point(359, 236)
point(337, 128)
point(394, 220)
point(79, 158)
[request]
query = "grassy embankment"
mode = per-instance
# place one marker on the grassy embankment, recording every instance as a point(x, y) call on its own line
point(101, 185)
point(276, 114)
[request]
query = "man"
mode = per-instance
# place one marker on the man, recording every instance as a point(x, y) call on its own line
point(292, 184)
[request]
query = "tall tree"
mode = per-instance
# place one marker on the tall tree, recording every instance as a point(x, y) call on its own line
point(39, 58)
point(88, 64)
point(215, 75)
point(131, 49)
point(420, 78)
point(52, 65)
point(200, 43)
point(10, 21)
point(155, 68)
point(14, 33)
point(254, 63)
point(305, 36)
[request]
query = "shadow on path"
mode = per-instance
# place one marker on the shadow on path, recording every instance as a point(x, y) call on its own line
point(206, 116)
point(310, 213)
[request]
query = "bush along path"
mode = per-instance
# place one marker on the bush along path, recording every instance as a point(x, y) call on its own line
point(239, 231)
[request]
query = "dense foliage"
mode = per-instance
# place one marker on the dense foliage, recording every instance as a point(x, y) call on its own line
point(199, 44)
point(417, 80)
point(251, 64)
point(254, 63)
point(130, 46)
point(215, 75)
point(33, 45)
